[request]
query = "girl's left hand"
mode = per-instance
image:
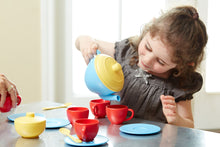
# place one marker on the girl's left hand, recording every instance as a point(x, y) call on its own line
point(169, 108)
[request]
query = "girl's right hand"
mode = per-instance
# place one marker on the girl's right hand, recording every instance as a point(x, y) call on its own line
point(169, 108)
point(87, 46)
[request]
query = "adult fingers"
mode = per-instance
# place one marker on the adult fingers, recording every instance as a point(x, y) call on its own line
point(13, 93)
point(3, 97)
point(3, 89)
point(11, 84)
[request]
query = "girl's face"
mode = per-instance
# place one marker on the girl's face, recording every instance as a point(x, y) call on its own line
point(155, 57)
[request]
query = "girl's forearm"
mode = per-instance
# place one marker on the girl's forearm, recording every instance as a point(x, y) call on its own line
point(183, 122)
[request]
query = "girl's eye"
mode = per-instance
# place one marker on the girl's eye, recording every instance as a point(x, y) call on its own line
point(146, 46)
point(160, 62)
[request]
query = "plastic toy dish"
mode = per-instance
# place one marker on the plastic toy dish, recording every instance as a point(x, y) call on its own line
point(4, 116)
point(140, 129)
point(98, 140)
point(56, 123)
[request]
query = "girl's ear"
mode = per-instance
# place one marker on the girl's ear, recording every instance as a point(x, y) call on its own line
point(191, 64)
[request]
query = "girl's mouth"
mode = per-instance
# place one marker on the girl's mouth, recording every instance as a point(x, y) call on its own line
point(145, 66)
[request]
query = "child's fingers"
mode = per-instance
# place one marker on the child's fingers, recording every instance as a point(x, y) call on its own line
point(167, 100)
point(169, 110)
point(93, 48)
point(87, 55)
point(86, 58)
point(170, 107)
point(169, 104)
point(170, 114)
point(167, 97)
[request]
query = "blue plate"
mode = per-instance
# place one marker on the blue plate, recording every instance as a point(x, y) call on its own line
point(14, 116)
point(56, 122)
point(98, 140)
point(140, 129)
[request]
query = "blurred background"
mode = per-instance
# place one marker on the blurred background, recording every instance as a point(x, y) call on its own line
point(37, 49)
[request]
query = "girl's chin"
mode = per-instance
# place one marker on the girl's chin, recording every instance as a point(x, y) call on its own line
point(144, 69)
point(162, 75)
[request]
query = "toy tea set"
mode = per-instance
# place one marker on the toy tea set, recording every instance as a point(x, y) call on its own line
point(103, 76)
point(8, 103)
point(7, 109)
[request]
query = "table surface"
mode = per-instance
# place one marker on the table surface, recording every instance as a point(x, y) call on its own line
point(170, 135)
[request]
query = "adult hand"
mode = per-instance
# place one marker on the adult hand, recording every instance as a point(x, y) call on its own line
point(7, 86)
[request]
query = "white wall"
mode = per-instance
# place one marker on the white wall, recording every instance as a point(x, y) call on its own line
point(206, 105)
point(20, 46)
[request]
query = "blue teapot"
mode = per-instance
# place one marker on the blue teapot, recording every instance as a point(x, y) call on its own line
point(104, 76)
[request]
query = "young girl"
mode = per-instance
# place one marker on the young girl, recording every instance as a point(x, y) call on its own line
point(159, 65)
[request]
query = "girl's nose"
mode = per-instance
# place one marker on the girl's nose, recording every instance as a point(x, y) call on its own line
point(148, 60)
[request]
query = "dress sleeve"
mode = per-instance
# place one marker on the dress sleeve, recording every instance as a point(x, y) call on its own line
point(123, 51)
point(187, 94)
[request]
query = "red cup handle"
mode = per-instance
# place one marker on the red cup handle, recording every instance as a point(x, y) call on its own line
point(132, 115)
point(18, 100)
point(95, 110)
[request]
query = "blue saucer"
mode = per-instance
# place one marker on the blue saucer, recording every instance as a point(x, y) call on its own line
point(56, 122)
point(98, 140)
point(14, 116)
point(140, 129)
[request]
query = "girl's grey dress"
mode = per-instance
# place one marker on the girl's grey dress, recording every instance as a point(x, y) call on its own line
point(141, 91)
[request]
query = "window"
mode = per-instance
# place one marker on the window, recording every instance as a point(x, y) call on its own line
point(109, 21)
point(213, 51)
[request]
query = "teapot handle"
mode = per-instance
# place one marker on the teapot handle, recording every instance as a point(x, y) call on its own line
point(97, 52)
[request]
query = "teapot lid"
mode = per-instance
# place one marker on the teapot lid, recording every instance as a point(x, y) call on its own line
point(109, 72)
point(30, 118)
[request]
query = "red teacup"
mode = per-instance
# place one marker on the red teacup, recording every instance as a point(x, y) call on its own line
point(117, 113)
point(98, 107)
point(74, 113)
point(8, 103)
point(86, 129)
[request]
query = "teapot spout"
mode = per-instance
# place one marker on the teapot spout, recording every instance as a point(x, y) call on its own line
point(111, 97)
